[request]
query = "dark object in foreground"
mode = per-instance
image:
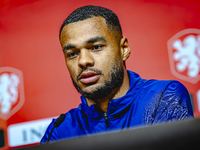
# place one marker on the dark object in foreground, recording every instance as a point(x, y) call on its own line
point(2, 141)
point(177, 135)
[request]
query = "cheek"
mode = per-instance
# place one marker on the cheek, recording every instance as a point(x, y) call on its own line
point(106, 64)
point(110, 57)
point(71, 69)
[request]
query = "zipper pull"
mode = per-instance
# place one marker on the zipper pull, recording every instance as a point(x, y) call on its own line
point(106, 119)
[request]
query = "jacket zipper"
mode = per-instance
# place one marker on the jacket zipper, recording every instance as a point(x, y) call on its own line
point(106, 119)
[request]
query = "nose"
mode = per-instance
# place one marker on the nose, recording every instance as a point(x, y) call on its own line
point(85, 59)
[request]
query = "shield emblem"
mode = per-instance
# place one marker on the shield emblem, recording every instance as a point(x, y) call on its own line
point(11, 91)
point(184, 55)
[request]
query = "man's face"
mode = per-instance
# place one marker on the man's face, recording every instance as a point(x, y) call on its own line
point(93, 57)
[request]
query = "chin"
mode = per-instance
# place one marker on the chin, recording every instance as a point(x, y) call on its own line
point(91, 88)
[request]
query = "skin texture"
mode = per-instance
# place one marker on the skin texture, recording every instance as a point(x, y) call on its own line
point(91, 51)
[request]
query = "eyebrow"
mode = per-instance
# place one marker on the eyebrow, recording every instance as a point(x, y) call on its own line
point(70, 46)
point(91, 40)
point(95, 39)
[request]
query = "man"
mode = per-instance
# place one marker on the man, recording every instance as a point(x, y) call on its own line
point(112, 97)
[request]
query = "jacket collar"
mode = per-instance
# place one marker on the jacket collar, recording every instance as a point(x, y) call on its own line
point(116, 107)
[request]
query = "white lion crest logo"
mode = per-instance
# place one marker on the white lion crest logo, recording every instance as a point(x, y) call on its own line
point(184, 54)
point(11, 91)
point(8, 91)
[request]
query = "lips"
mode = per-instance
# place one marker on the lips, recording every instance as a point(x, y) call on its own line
point(89, 77)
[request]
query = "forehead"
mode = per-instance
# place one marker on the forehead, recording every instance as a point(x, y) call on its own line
point(79, 32)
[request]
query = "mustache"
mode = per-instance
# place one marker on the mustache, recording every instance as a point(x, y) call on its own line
point(89, 69)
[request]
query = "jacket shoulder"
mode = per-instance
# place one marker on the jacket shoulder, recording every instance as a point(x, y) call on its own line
point(69, 123)
point(170, 102)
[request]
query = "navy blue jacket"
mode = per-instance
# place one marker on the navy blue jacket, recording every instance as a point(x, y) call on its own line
point(147, 102)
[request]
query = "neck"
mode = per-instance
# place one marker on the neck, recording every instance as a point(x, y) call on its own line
point(117, 93)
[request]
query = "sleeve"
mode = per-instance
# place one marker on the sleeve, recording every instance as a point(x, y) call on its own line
point(174, 104)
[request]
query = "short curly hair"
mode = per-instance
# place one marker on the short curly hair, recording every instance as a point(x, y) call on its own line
point(90, 11)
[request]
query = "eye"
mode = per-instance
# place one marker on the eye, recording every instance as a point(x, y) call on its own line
point(72, 54)
point(96, 47)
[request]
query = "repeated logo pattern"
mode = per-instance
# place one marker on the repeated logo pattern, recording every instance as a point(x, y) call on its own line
point(184, 55)
point(11, 91)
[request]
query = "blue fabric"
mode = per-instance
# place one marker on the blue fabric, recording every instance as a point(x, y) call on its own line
point(147, 102)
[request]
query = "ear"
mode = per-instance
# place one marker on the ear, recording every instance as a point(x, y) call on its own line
point(125, 49)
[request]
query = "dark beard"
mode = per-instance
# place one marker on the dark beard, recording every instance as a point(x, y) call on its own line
point(116, 75)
